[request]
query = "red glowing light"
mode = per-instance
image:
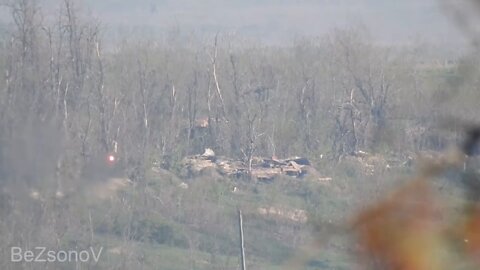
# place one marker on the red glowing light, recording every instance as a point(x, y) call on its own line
point(111, 158)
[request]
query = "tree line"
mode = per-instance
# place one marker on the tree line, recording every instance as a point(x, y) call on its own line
point(67, 97)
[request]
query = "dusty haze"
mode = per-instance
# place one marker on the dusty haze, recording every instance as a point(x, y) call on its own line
point(275, 22)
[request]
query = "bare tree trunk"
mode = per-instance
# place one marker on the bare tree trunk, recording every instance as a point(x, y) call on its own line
point(215, 78)
point(104, 129)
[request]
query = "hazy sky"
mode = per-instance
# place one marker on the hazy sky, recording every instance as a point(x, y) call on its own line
point(278, 21)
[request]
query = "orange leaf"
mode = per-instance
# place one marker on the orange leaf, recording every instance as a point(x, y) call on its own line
point(401, 232)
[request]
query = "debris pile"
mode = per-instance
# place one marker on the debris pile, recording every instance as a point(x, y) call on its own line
point(268, 168)
point(261, 168)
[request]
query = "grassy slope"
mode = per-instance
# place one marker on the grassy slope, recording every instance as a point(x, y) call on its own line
point(196, 228)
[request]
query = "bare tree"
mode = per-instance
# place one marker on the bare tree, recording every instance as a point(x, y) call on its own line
point(366, 79)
